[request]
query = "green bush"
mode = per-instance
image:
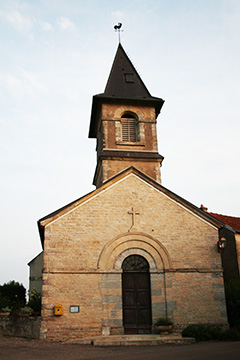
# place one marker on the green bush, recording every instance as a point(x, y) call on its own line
point(4, 301)
point(199, 332)
point(6, 309)
point(13, 295)
point(35, 301)
point(210, 332)
point(232, 334)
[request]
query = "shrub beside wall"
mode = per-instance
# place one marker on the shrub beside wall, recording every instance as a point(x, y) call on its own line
point(210, 332)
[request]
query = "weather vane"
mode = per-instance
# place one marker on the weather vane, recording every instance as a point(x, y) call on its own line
point(117, 28)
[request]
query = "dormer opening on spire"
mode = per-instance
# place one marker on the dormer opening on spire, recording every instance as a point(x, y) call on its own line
point(129, 78)
point(130, 127)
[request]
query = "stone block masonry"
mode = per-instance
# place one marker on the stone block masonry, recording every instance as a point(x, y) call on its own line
point(86, 246)
point(21, 326)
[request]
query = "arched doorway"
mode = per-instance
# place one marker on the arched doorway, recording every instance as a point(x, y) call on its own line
point(136, 295)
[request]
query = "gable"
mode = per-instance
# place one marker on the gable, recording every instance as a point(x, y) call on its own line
point(128, 205)
point(135, 185)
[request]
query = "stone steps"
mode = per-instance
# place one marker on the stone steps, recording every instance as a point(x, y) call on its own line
point(133, 340)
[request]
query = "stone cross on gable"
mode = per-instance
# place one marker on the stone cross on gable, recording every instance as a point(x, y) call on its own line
point(133, 212)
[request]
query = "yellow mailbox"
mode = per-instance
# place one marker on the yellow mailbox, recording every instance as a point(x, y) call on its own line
point(58, 310)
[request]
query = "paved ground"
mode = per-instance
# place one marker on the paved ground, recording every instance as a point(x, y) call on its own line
point(21, 349)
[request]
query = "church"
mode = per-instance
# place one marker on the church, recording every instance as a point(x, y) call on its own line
point(131, 251)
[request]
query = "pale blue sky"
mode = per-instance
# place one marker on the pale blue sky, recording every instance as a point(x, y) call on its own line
point(56, 54)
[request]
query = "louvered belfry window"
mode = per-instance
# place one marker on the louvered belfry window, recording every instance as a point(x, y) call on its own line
point(129, 128)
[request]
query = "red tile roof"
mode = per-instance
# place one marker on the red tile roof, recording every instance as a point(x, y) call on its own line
point(232, 221)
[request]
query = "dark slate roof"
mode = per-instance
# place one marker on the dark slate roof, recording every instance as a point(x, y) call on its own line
point(124, 86)
point(233, 222)
point(124, 80)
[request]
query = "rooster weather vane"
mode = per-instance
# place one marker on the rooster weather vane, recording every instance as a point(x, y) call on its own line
point(117, 28)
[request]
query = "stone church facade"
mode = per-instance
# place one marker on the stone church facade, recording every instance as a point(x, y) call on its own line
point(131, 251)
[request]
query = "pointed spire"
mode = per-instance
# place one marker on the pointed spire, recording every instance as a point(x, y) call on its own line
point(124, 80)
point(124, 86)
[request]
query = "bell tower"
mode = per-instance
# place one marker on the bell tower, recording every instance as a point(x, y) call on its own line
point(123, 121)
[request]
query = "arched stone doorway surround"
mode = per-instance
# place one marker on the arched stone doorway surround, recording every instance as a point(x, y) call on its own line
point(110, 264)
point(114, 253)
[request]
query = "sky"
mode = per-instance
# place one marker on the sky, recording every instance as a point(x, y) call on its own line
point(57, 54)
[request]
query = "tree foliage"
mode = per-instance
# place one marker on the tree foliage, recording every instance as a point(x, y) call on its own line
point(13, 295)
point(35, 300)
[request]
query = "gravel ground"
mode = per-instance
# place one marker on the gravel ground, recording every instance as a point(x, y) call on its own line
point(22, 349)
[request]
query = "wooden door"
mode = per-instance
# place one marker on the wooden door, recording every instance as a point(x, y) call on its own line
point(136, 294)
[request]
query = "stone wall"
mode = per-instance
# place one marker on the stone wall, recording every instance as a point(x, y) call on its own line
point(20, 326)
point(85, 248)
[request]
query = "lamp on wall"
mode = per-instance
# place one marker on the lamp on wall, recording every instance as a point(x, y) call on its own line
point(221, 244)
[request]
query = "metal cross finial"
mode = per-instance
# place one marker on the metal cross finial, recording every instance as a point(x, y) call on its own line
point(117, 28)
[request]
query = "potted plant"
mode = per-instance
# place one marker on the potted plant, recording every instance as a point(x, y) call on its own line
point(163, 325)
